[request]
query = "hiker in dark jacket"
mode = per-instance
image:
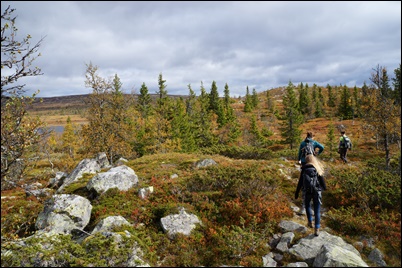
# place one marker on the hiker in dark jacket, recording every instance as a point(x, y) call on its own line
point(316, 196)
point(302, 158)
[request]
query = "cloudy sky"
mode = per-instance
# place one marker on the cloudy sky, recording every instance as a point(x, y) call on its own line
point(259, 44)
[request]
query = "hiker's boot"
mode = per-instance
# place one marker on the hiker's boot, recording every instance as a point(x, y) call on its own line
point(316, 231)
point(310, 224)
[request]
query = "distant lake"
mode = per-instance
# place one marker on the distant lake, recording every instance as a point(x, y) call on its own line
point(57, 129)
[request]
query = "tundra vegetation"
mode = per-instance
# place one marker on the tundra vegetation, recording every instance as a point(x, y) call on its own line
point(254, 139)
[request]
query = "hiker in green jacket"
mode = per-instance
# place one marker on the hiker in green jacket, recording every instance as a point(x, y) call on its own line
point(345, 144)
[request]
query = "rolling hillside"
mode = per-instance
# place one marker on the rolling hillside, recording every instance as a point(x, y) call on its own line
point(362, 200)
point(55, 110)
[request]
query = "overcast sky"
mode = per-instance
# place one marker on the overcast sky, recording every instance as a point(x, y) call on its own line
point(259, 44)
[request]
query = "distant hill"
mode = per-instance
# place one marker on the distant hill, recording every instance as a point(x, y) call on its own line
point(73, 101)
point(55, 110)
point(56, 103)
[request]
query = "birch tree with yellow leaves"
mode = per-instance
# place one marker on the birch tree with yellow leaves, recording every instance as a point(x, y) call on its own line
point(109, 115)
point(20, 132)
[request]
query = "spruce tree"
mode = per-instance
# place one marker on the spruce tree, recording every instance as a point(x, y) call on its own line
point(365, 91)
point(321, 97)
point(314, 95)
point(190, 101)
point(331, 97)
point(380, 77)
point(204, 123)
point(254, 130)
point(260, 135)
point(214, 98)
point(270, 102)
point(215, 104)
point(182, 128)
point(318, 110)
point(230, 129)
point(144, 102)
point(254, 99)
point(292, 118)
point(228, 110)
point(345, 109)
point(247, 102)
point(163, 116)
point(396, 82)
point(304, 101)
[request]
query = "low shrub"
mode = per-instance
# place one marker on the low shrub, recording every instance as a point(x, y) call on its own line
point(239, 152)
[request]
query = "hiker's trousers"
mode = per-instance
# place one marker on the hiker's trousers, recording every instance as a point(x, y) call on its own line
point(316, 197)
point(343, 153)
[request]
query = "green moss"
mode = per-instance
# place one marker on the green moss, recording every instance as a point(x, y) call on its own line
point(79, 186)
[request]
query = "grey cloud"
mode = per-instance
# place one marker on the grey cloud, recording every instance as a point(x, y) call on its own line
point(260, 44)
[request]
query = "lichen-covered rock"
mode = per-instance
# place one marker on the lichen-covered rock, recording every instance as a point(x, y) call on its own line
point(336, 256)
point(121, 177)
point(109, 223)
point(87, 165)
point(63, 213)
point(179, 223)
point(309, 247)
point(205, 162)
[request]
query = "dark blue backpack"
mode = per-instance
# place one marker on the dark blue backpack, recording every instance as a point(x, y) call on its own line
point(308, 148)
point(310, 180)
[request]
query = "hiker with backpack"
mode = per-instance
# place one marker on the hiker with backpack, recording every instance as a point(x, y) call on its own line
point(307, 146)
point(345, 144)
point(312, 184)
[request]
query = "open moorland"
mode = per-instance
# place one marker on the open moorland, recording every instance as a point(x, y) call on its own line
point(362, 200)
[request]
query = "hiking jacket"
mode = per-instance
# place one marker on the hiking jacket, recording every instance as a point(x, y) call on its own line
point(316, 144)
point(321, 181)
